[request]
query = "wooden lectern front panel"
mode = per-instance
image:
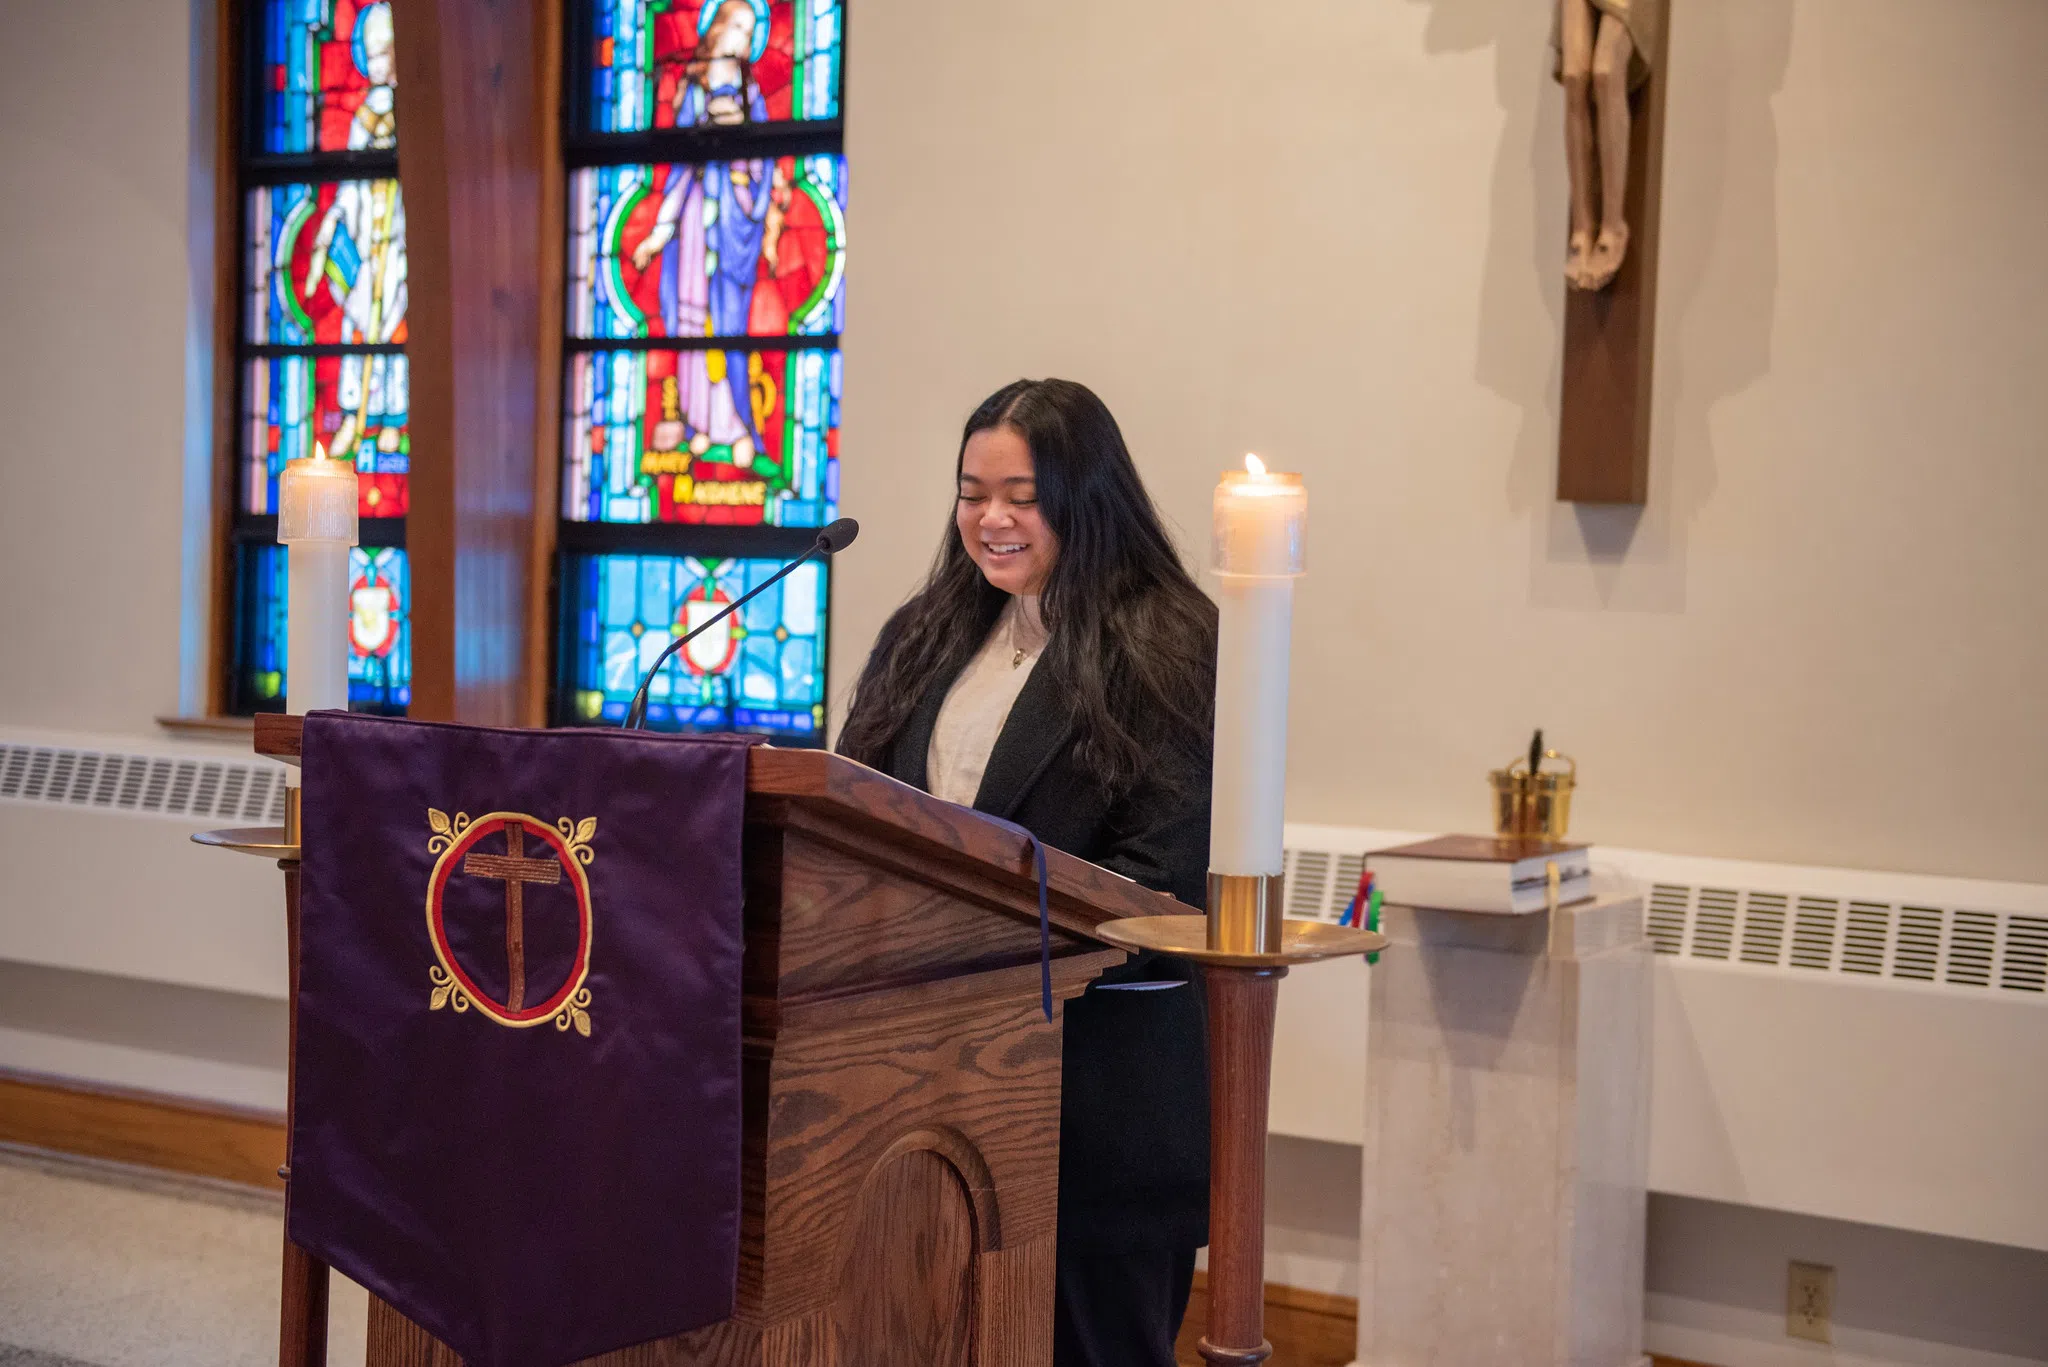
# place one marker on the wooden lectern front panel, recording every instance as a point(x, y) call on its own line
point(906, 1286)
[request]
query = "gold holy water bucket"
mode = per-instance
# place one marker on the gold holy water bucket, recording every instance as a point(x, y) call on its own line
point(1533, 804)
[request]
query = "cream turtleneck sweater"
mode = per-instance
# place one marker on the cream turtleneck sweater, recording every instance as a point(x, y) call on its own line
point(980, 700)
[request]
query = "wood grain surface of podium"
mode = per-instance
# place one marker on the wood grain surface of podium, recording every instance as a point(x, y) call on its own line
point(901, 1086)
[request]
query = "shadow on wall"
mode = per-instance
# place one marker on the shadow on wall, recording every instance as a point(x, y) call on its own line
point(1716, 289)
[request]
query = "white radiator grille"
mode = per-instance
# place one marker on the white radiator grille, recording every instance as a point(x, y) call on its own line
point(1772, 918)
point(237, 790)
point(1960, 946)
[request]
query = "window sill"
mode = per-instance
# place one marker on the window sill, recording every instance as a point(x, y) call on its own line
point(210, 728)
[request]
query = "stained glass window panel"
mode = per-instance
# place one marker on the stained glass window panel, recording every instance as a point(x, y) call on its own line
point(379, 628)
point(327, 76)
point(697, 63)
point(762, 670)
point(351, 406)
point(734, 437)
point(710, 249)
point(327, 263)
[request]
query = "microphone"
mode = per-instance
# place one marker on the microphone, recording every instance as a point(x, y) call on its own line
point(830, 541)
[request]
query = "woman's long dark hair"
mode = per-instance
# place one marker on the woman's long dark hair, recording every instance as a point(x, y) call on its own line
point(1132, 640)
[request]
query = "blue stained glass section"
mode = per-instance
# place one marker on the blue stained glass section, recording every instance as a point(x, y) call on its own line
point(379, 629)
point(761, 670)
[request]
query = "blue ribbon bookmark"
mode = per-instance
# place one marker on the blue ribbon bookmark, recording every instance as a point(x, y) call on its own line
point(1044, 915)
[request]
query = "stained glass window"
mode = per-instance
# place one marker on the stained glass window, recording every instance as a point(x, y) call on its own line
point(750, 248)
point(760, 670)
point(655, 64)
point(379, 628)
point(706, 271)
point(322, 367)
point(748, 438)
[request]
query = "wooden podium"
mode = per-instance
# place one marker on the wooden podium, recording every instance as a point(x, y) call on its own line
point(901, 1086)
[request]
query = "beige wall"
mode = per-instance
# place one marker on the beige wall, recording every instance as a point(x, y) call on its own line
point(105, 276)
point(1331, 232)
point(1328, 232)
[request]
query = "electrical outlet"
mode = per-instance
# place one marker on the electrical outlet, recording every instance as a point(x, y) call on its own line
point(1810, 1302)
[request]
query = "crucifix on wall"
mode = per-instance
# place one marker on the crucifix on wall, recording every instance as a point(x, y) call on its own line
point(1610, 58)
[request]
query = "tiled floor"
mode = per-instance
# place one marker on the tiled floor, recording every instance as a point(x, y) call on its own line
point(106, 1266)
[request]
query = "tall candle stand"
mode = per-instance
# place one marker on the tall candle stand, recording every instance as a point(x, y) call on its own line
point(1244, 946)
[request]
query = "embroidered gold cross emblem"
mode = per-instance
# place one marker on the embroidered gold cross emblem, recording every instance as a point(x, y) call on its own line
point(517, 870)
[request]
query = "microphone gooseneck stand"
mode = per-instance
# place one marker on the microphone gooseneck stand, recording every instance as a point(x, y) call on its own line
point(833, 539)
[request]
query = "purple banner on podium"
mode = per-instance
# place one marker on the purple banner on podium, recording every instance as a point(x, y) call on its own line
point(517, 1112)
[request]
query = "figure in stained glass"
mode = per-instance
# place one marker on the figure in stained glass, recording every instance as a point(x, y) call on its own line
point(331, 76)
point(327, 263)
point(350, 407)
point(761, 670)
point(350, 257)
point(697, 63)
point(718, 84)
point(711, 249)
point(653, 437)
point(727, 213)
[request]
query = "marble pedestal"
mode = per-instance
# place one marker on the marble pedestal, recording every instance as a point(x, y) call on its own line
point(1506, 1140)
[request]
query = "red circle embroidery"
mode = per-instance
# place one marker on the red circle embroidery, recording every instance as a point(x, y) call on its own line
point(437, 927)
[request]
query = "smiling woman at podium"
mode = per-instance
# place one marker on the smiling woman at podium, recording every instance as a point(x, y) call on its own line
point(1058, 669)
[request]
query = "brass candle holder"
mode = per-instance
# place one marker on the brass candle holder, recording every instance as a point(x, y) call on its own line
point(1533, 801)
point(1245, 945)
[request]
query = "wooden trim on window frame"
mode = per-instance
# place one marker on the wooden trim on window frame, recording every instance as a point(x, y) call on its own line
point(547, 416)
point(230, 117)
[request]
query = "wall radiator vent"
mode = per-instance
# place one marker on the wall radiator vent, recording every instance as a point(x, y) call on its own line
point(1958, 946)
point(1949, 944)
point(237, 791)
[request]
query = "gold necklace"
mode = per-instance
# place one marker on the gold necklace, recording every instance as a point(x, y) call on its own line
point(1016, 651)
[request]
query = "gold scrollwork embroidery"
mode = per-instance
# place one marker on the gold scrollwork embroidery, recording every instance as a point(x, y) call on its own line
point(573, 1013)
point(577, 835)
point(447, 992)
point(446, 832)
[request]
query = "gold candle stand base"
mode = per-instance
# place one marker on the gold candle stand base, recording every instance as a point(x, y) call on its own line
point(267, 842)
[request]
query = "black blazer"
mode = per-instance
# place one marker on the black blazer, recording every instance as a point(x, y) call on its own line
point(1134, 1095)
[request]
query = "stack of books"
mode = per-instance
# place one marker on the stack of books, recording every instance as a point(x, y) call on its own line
point(1505, 875)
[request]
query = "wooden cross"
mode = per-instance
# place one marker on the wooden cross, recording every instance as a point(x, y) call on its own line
point(517, 870)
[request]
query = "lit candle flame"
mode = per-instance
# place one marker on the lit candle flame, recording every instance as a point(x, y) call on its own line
point(1256, 466)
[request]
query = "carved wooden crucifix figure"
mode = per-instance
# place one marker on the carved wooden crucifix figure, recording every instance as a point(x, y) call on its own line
point(1610, 56)
point(1605, 52)
point(517, 870)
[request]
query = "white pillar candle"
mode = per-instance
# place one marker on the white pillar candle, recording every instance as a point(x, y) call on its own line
point(1260, 522)
point(316, 520)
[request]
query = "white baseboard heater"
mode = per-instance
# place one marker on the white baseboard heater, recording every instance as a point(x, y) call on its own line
point(1857, 1045)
